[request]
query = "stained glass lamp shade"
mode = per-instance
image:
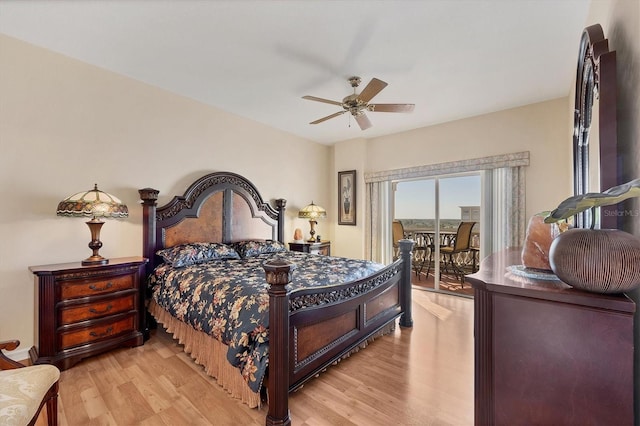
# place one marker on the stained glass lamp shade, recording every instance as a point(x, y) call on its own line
point(94, 204)
point(313, 213)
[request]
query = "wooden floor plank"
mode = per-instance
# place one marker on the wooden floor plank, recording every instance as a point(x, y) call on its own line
point(417, 376)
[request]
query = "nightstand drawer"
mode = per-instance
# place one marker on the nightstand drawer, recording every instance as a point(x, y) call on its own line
point(75, 289)
point(324, 249)
point(97, 310)
point(104, 330)
point(320, 247)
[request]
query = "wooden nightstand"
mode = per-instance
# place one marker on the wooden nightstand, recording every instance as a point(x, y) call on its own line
point(323, 247)
point(85, 310)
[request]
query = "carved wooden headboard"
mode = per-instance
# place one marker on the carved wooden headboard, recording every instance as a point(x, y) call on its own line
point(219, 207)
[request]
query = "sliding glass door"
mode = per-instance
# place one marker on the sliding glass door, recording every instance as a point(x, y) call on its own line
point(431, 210)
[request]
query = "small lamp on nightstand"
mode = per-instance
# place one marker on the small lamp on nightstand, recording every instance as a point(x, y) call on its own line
point(94, 204)
point(313, 213)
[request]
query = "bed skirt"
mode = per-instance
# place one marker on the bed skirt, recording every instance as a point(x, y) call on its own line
point(208, 352)
point(212, 354)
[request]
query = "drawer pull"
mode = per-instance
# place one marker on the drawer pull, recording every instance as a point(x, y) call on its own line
point(106, 287)
point(95, 311)
point(106, 333)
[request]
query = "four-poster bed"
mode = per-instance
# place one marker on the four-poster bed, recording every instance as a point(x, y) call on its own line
point(309, 311)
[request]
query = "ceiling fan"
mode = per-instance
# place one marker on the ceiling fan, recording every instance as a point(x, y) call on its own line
point(357, 105)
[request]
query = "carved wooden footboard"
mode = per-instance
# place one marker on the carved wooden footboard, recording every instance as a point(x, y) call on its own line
point(311, 329)
point(308, 329)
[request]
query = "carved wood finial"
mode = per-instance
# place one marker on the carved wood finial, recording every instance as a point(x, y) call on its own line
point(279, 272)
point(148, 195)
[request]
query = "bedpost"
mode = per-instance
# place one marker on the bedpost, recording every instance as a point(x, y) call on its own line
point(279, 274)
point(281, 204)
point(149, 197)
point(406, 320)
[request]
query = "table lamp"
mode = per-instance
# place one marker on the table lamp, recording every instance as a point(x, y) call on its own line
point(312, 212)
point(94, 204)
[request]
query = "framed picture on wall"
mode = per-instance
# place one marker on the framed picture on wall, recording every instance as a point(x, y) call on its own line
point(347, 197)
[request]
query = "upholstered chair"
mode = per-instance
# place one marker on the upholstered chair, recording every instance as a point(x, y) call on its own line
point(25, 390)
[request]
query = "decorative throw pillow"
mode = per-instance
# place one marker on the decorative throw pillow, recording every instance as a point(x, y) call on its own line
point(252, 248)
point(192, 253)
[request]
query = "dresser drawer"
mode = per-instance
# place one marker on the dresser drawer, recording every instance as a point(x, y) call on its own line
point(97, 310)
point(92, 287)
point(103, 330)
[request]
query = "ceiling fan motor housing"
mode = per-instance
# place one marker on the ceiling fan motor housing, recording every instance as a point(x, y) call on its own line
point(354, 105)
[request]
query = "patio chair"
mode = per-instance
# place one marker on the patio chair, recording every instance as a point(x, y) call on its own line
point(398, 234)
point(461, 244)
point(24, 390)
point(397, 231)
point(428, 247)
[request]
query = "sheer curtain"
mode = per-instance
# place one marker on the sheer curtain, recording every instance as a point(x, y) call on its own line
point(507, 203)
point(377, 231)
point(508, 222)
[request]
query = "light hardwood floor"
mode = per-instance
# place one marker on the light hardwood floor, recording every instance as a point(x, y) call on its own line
point(418, 376)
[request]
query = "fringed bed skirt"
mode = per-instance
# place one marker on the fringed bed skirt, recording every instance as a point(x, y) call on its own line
point(212, 354)
point(208, 352)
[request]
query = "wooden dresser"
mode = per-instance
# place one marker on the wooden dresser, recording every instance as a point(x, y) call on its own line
point(548, 354)
point(323, 247)
point(85, 310)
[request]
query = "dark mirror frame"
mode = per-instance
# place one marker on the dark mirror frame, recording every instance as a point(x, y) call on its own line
point(595, 82)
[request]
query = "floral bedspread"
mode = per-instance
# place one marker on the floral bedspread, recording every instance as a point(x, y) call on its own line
point(228, 299)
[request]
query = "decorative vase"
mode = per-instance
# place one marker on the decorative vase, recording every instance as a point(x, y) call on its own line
point(597, 260)
point(347, 206)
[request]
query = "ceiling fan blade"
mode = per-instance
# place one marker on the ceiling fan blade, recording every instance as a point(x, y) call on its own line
point(363, 121)
point(320, 120)
point(391, 107)
point(373, 88)
point(326, 101)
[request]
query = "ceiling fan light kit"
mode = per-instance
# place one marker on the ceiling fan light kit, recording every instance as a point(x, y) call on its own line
point(358, 104)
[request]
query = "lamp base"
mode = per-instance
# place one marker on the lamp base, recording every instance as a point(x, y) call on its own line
point(95, 244)
point(313, 223)
point(95, 260)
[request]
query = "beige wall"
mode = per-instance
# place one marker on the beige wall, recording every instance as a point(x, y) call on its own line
point(348, 240)
point(620, 20)
point(65, 125)
point(542, 129)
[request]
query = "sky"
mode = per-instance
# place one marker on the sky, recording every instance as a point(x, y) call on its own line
point(416, 199)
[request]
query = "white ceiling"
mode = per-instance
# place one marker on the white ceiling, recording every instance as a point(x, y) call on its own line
point(452, 59)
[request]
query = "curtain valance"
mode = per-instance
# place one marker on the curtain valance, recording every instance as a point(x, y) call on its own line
point(515, 159)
